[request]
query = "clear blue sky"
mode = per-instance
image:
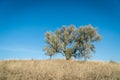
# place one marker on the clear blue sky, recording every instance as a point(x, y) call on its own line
point(23, 24)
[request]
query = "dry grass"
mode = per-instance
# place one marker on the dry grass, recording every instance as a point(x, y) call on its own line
point(58, 70)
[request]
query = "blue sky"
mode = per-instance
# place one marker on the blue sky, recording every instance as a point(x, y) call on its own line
point(23, 24)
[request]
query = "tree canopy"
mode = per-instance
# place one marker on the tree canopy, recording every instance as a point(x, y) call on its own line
point(72, 42)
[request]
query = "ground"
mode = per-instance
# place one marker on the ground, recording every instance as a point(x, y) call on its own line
point(58, 70)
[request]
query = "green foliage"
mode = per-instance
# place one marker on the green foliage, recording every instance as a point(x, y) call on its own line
point(72, 42)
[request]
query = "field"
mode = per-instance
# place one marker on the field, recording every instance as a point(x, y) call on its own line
point(58, 70)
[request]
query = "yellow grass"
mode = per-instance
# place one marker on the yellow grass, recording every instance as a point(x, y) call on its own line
point(58, 70)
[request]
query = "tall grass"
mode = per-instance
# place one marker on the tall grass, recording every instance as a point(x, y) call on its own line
point(58, 70)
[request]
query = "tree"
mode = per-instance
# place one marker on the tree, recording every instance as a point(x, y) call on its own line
point(86, 36)
point(72, 42)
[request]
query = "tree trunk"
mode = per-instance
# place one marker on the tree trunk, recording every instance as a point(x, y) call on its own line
point(67, 57)
point(50, 57)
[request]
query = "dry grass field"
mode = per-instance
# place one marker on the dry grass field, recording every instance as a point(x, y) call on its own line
point(58, 70)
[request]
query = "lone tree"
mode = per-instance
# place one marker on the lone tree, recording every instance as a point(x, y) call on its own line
point(72, 42)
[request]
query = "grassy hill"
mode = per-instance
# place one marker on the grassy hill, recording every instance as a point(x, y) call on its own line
point(58, 70)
